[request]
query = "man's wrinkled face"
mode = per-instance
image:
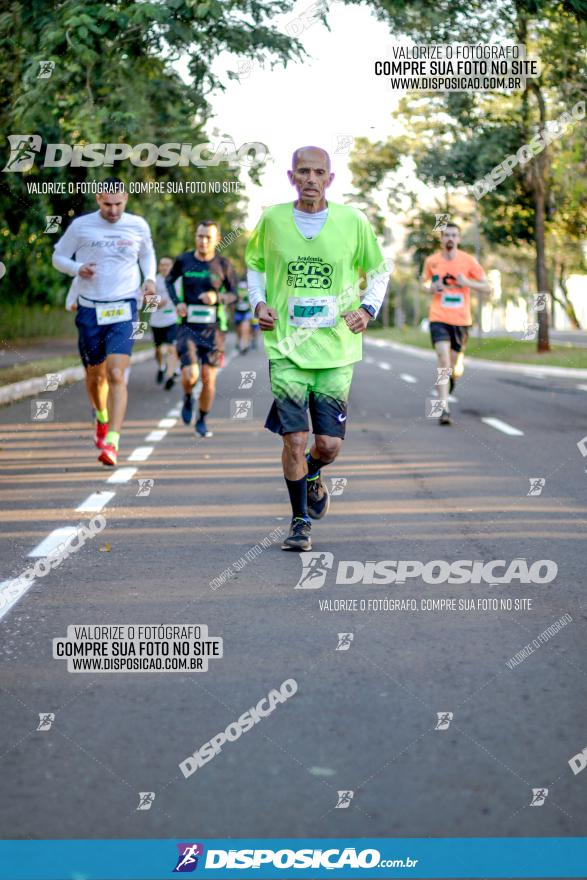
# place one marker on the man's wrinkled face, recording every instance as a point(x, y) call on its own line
point(450, 238)
point(112, 205)
point(311, 175)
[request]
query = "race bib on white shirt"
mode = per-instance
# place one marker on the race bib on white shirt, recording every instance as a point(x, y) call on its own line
point(312, 311)
point(113, 313)
point(452, 300)
point(198, 314)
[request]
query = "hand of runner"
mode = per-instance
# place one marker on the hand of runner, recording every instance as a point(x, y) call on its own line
point(210, 298)
point(437, 286)
point(461, 280)
point(266, 315)
point(87, 271)
point(357, 321)
point(182, 310)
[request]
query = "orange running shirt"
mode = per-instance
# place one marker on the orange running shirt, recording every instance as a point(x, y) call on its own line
point(453, 304)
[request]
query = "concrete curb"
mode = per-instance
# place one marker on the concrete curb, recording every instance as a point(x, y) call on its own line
point(30, 387)
point(527, 369)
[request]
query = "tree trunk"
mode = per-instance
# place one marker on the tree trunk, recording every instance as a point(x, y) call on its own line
point(542, 285)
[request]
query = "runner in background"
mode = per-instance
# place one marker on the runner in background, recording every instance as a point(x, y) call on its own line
point(200, 338)
point(164, 327)
point(242, 318)
point(450, 275)
point(103, 251)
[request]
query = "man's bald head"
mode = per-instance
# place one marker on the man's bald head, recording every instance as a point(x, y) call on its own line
point(299, 154)
point(311, 175)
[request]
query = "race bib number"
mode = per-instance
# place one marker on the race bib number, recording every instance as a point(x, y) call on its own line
point(198, 314)
point(452, 300)
point(113, 314)
point(312, 311)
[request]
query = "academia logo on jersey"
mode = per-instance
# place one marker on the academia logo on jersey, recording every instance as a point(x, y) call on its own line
point(26, 148)
point(309, 272)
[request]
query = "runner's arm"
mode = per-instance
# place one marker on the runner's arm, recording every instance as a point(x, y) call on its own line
point(256, 288)
point(376, 290)
point(64, 251)
point(170, 279)
point(147, 259)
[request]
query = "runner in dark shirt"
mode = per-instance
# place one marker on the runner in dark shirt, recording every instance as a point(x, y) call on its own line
point(206, 279)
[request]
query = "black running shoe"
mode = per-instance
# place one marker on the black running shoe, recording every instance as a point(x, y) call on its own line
point(170, 383)
point(451, 384)
point(202, 428)
point(187, 409)
point(299, 535)
point(445, 418)
point(160, 376)
point(318, 498)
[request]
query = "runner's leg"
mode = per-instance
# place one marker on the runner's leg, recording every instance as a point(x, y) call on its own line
point(116, 364)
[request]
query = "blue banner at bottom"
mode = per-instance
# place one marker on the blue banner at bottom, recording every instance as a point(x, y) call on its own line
point(303, 858)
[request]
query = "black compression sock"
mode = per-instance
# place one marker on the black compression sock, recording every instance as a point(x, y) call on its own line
point(202, 415)
point(298, 496)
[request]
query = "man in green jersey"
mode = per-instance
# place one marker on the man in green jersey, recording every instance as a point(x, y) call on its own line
point(304, 267)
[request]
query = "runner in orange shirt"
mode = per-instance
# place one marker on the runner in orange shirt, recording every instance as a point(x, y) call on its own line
point(450, 275)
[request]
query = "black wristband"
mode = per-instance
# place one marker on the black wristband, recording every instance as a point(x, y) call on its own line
point(369, 309)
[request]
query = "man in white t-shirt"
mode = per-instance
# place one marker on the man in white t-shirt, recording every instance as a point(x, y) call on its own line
point(103, 252)
point(164, 327)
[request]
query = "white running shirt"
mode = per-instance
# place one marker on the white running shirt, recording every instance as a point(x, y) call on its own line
point(118, 249)
point(165, 316)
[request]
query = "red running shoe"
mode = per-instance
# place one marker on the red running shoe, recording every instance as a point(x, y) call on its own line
point(101, 431)
point(109, 455)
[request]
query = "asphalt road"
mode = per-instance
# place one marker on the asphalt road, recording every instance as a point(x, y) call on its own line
point(363, 719)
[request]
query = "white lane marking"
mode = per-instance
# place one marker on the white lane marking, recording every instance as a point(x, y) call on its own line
point(173, 413)
point(141, 453)
point(384, 365)
point(95, 502)
point(502, 426)
point(53, 540)
point(582, 387)
point(9, 596)
point(122, 475)
point(155, 436)
point(408, 378)
point(167, 423)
